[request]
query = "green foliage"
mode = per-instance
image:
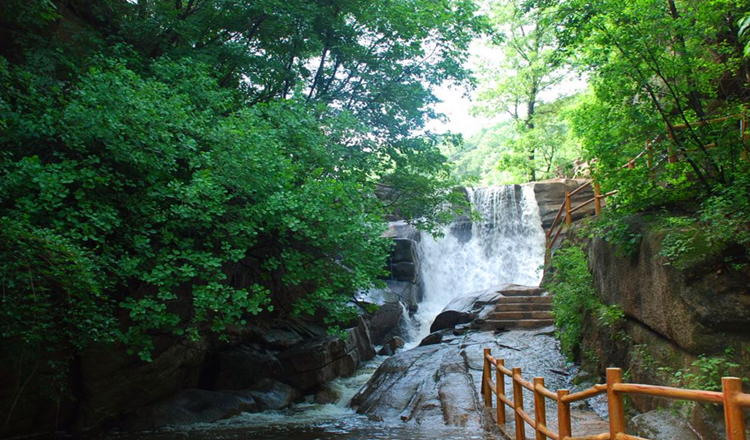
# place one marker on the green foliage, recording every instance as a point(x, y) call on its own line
point(618, 229)
point(180, 168)
point(575, 299)
point(704, 373)
point(573, 288)
point(499, 155)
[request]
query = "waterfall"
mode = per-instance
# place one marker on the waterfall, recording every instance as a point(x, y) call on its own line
point(505, 246)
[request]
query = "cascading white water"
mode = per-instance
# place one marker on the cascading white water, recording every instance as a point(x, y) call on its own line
point(506, 246)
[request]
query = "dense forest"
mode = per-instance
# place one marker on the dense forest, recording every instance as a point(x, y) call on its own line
point(179, 167)
point(148, 147)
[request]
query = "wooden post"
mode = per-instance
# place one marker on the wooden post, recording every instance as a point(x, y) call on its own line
point(735, 421)
point(597, 198)
point(486, 391)
point(563, 415)
point(568, 216)
point(500, 384)
point(540, 411)
point(650, 160)
point(518, 404)
point(631, 164)
point(616, 405)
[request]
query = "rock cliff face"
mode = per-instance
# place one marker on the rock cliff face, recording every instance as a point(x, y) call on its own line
point(265, 366)
point(550, 194)
point(672, 316)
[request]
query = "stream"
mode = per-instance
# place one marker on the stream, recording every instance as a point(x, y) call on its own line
point(506, 246)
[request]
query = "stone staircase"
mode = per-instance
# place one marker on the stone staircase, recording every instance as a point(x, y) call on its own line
point(520, 311)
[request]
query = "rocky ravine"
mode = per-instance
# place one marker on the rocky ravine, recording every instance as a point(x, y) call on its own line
point(438, 382)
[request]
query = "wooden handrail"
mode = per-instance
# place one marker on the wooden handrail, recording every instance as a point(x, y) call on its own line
point(580, 188)
point(586, 394)
point(604, 436)
point(731, 397)
point(670, 393)
point(587, 202)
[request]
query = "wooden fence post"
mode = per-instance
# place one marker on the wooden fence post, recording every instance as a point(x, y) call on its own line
point(735, 421)
point(616, 406)
point(597, 198)
point(518, 404)
point(563, 415)
point(540, 410)
point(568, 215)
point(500, 384)
point(486, 377)
point(650, 160)
point(631, 164)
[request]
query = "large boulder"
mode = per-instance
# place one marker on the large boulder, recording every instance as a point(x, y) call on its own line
point(550, 194)
point(190, 407)
point(310, 364)
point(437, 385)
point(272, 395)
point(114, 382)
point(386, 322)
point(241, 366)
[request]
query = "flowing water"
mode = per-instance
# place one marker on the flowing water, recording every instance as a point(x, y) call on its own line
point(308, 421)
point(505, 246)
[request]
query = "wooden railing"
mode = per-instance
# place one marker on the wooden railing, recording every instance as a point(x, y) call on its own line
point(553, 233)
point(557, 226)
point(731, 397)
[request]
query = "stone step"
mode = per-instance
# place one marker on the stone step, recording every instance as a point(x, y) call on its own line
point(524, 307)
point(500, 316)
point(523, 323)
point(525, 300)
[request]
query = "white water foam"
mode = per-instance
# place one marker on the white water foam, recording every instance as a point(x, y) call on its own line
point(506, 246)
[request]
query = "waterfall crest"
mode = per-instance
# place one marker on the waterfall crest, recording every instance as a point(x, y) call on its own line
point(506, 246)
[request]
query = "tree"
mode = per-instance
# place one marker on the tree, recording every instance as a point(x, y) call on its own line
point(673, 63)
point(529, 67)
point(199, 162)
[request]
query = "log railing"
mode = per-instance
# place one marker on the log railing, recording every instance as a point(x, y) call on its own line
point(731, 397)
point(566, 208)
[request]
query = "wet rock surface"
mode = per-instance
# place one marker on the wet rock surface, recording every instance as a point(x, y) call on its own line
point(310, 364)
point(661, 425)
point(391, 346)
point(386, 322)
point(272, 395)
point(190, 407)
point(438, 384)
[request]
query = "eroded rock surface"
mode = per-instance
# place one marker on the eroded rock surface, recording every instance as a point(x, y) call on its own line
point(439, 384)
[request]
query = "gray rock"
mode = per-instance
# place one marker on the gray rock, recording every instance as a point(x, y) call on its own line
point(437, 385)
point(550, 194)
point(386, 322)
point(190, 407)
point(310, 364)
point(391, 346)
point(431, 339)
point(272, 395)
point(327, 395)
point(661, 425)
point(114, 382)
point(405, 271)
point(404, 250)
point(241, 366)
point(699, 310)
